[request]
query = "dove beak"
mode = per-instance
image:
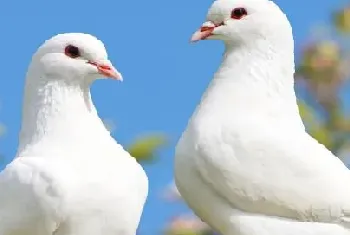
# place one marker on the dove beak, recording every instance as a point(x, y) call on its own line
point(205, 31)
point(107, 70)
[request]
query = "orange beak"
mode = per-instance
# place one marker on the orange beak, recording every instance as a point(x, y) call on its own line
point(107, 70)
point(205, 31)
point(202, 33)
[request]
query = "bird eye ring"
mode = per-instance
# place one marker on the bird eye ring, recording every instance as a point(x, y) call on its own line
point(238, 13)
point(72, 51)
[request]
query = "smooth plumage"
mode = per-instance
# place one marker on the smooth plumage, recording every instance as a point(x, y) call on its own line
point(69, 176)
point(245, 163)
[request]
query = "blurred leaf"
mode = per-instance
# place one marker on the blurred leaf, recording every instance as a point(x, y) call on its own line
point(182, 232)
point(322, 135)
point(144, 148)
point(188, 225)
point(315, 128)
point(341, 20)
point(306, 112)
point(321, 61)
point(337, 120)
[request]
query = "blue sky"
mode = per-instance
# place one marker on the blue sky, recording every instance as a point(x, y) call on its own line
point(148, 41)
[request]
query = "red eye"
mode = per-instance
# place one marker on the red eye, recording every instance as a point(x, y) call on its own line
point(238, 13)
point(72, 51)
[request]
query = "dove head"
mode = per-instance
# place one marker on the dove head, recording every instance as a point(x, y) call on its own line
point(57, 104)
point(75, 57)
point(243, 21)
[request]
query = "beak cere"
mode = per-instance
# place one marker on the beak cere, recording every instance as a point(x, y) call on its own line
point(205, 31)
point(107, 70)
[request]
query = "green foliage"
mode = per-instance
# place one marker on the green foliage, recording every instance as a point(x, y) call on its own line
point(144, 148)
point(323, 69)
point(332, 131)
point(315, 128)
point(186, 231)
point(341, 20)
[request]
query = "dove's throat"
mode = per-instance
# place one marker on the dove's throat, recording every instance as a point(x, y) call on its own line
point(256, 78)
point(58, 114)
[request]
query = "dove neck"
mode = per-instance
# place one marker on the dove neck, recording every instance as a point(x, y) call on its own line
point(257, 76)
point(58, 112)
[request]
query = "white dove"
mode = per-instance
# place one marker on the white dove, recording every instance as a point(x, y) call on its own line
point(245, 164)
point(69, 176)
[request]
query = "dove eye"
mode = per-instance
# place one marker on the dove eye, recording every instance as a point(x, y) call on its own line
point(72, 51)
point(238, 13)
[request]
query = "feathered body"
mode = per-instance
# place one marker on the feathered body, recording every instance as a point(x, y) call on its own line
point(245, 164)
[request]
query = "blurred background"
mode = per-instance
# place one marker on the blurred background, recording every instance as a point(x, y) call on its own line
point(164, 77)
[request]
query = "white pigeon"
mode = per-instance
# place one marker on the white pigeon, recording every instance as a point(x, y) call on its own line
point(245, 164)
point(69, 176)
